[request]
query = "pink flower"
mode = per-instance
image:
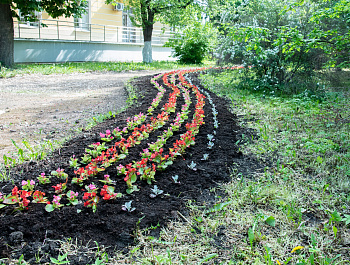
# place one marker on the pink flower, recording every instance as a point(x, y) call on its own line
point(0, 195)
point(56, 199)
point(108, 132)
point(42, 174)
point(24, 182)
point(102, 135)
point(92, 187)
point(32, 182)
point(106, 177)
point(73, 195)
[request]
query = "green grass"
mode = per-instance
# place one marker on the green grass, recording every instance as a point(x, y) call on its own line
point(68, 68)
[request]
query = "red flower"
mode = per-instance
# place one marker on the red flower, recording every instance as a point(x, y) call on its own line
point(15, 191)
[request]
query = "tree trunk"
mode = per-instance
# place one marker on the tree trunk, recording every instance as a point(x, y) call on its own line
point(6, 36)
point(147, 15)
point(147, 47)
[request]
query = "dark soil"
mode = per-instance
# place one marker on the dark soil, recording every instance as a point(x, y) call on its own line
point(37, 231)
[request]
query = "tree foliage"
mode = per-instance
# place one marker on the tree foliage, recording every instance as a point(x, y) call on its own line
point(284, 42)
point(9, 9)
point(55, 8)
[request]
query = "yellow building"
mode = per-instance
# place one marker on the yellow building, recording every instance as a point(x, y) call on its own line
point(102, 23)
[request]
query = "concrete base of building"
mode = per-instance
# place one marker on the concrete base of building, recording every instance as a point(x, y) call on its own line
point(57, 51)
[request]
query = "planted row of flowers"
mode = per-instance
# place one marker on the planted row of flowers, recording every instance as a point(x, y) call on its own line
point(99, 156)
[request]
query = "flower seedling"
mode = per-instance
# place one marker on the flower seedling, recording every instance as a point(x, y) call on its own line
point(72, 197)
point(107, 192)
point(18, 196)
point(38, 197)
point(216, 124)
point(210, 137)
point(210, 145)
point(205, 157)
point(130, 177)
point(59, 173)
point(117, 133)
point(60, 188)
point(74, 162)
point(90, 197)
point(107, 180)
point(107, 137)
point(155, 191)
point(192, 166)
point(127, 207)
point(175, 179)
point(28, 185)
point(44, 179)
point(91, 200)
point(86, 159)
point(55, 204)
point(96, 150)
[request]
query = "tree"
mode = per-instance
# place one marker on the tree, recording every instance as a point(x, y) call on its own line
point(55, 8)
point(284, 42)
point(146, 13)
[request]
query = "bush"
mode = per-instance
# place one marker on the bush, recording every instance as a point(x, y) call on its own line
point(193, 44)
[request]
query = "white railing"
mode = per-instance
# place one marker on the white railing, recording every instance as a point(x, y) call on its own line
point(49, 29)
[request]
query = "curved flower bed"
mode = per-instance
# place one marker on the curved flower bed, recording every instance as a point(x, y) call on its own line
point(115, 146)
point(138, 167)
point(99, 156)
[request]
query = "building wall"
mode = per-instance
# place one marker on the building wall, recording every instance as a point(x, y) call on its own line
point(55, 51)
point(105, 24)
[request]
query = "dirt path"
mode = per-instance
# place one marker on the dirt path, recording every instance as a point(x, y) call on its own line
point(41, 107)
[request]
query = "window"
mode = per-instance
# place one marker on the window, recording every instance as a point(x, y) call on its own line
point(83, 22)
point(129, 31)
point(24, 22)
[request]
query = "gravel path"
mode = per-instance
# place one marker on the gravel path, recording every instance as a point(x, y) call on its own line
point(42, 107)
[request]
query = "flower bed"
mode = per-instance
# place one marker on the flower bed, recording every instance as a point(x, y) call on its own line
point(110, 170)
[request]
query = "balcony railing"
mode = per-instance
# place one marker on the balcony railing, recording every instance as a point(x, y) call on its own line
point(49, 29)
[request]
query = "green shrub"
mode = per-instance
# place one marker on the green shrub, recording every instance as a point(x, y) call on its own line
point(192, 44)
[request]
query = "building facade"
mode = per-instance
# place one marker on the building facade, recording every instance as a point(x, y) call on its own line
point(103, 33)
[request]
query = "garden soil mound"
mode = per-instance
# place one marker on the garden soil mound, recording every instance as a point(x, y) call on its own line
point(36, 231)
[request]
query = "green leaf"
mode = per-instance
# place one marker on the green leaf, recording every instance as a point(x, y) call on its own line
point(2, 205)
point(208, 257)
point(49, 207)
point(336, 216)
point(271, 221)
point(133, 178)
point(251, 235)
point(217, 207)
point(335, 230)
point(10, 200)
point(199, 219)
point(346, 219)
